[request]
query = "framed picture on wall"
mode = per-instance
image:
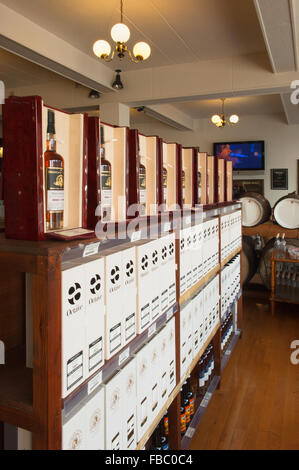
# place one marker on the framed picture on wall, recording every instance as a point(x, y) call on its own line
point(249, 185)
point(279, 178)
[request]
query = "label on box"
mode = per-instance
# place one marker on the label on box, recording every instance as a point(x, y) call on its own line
point(136, 236)
point(169, 314)
point(94, 382)
point(115, 337)
point(167, 227)
point(91, 249)
point(145, 315)
point(130, 327)
point(152, 329)
point(124, 356)
point(74, 370)
point(190, 432)
point(95, 353)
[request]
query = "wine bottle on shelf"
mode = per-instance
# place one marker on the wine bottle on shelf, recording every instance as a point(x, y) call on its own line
point(186, 404)
point(182, 415)
point(190, 397)
point(166, 423)
point(106, 181)
point(163, 437)
point(54, 179)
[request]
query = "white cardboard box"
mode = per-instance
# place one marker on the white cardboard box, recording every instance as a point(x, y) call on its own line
point(95, 314)
point(143, 253)
point(155, 265)
point(114, 297)
point(84, 430)
point(129, 408)
point(143, 381)
point(73, 329)
point(171, 354)
point(129, 293)
point(114, 391)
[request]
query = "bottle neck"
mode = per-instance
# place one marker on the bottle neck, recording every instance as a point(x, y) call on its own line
point(51, 143)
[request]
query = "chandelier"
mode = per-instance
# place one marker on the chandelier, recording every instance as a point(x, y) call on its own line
point(220, 120)
point(120, 34)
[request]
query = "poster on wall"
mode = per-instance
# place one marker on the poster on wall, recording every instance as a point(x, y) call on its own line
point(247, 185)
point(279, 178)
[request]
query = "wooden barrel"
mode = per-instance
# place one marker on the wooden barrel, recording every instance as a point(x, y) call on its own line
point(255, 209)
point(264, 268)
point(286, 211)
point(249, 259)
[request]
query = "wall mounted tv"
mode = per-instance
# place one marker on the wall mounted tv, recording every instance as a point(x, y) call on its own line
point(244, 155)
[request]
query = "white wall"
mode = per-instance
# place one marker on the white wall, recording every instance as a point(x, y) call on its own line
point(281, 142)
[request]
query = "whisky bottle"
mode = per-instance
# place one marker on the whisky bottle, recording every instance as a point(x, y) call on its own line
point(142, 188)
point(162, 436)
point(164, 185)
point(199, 186)
point(106, 182)
point(183, 186)
point(166, 423)
point(186, 404)
point(190, 397)
point(54, 179)
point(182, 415)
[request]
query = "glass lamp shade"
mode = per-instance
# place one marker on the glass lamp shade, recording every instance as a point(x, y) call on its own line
point(120, 32)
point(220, 123)
point(234, 118)
point(216, 119)
point(101, 47)
point(142, 49)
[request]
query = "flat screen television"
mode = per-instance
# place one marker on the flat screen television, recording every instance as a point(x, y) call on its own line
point(244, 155)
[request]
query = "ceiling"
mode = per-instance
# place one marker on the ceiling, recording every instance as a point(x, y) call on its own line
point(242, 105)
point(18, 72)
point(193, 30)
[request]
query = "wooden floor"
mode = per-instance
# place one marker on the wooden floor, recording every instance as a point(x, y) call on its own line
point(257, 406)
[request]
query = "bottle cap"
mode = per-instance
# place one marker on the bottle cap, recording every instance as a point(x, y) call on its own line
point(51, 122)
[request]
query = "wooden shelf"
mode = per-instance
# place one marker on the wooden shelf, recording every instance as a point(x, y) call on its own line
point(204, 280)
point(16, 393)
point(177, 389)
point(229, 257)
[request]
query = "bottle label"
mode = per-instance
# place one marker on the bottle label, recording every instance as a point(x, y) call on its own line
point(199, 185)
point(187, 410)
point(164, 185)
point(165, 446)
point(106, 192)
point(55, 189)
point(183, 185)
point(142, 187)
point(191, 401)
point(183, 422)
point(166, 426)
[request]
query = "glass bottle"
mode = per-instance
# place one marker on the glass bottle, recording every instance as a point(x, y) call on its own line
point(54, 179)
point(106, 182)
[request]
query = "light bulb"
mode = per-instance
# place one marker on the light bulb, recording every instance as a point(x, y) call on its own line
point(234, 118)
point(101, 48)
point(220, 123)
point(120, 32)
point(142, 50)
point(215, 119)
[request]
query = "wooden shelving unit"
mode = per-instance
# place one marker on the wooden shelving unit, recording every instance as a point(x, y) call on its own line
point(31, 398)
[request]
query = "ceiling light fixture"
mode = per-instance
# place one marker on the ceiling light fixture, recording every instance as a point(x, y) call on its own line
point(117, 84)
point(220, 120)
point(120, 34)
point(94, 95)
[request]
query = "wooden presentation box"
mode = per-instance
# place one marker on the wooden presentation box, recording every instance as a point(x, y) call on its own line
point(146, 172)
point(25, 139)
point(202, 175)
point(220, 180)
point(211, 168)
point(110, 143)
point(229, 181)
point(172, 175)
point(189, 176)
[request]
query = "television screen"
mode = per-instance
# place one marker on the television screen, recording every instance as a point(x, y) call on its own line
point(244, 155)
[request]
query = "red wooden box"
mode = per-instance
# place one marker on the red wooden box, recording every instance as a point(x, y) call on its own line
point(24, 138)
point(116, 147)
